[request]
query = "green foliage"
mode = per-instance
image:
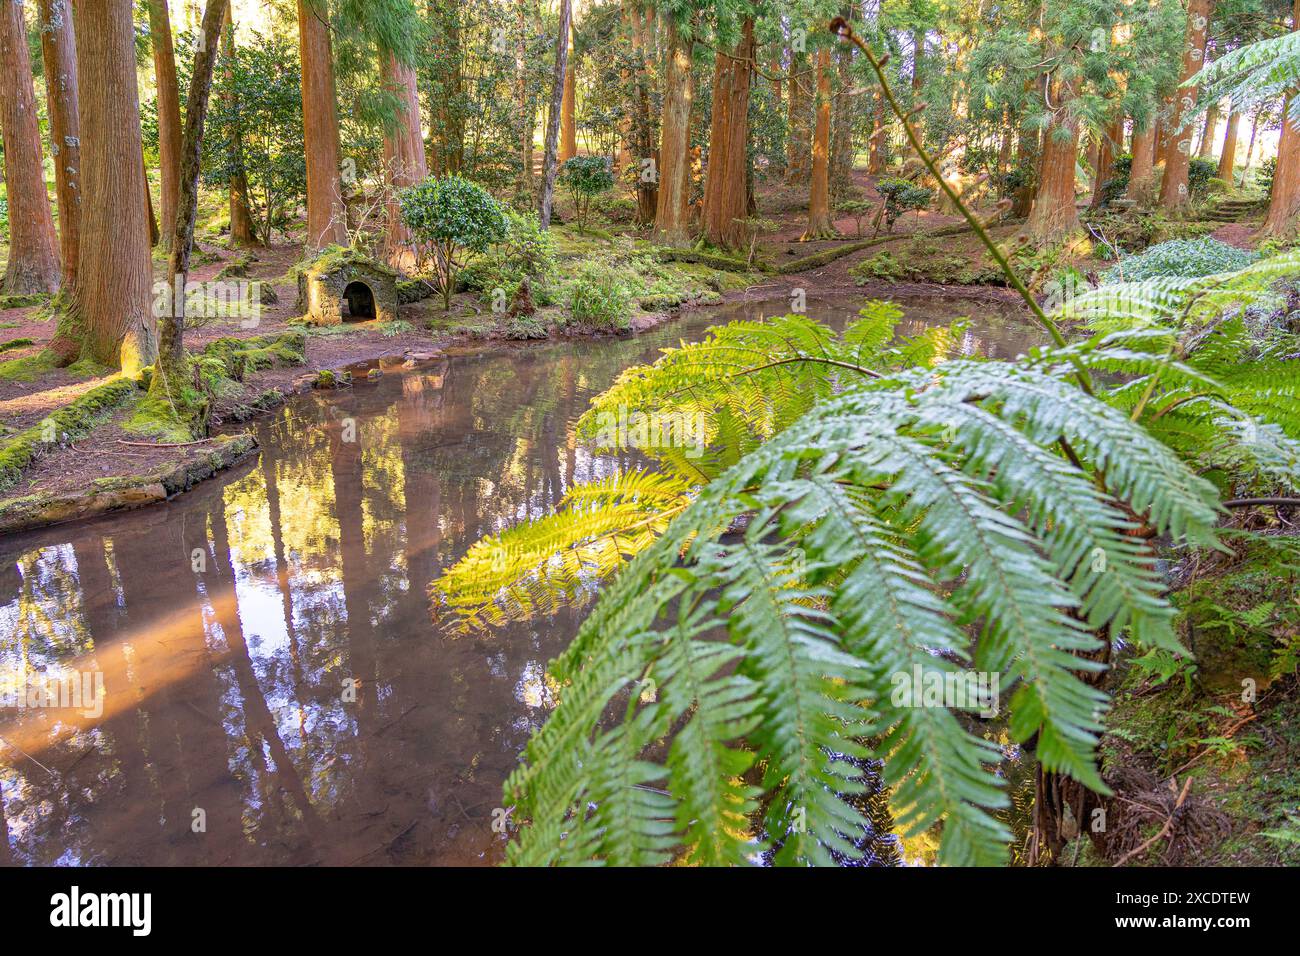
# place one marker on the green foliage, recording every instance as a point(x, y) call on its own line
point(598, 299)
point(857, 208)
point(254, 127)
point(902, 196)
point(525, 251)
point(1199, 173)
point(1181, 258)
point(1260, 72)
point(451, 217)
point(585, 177)
point(896, 510)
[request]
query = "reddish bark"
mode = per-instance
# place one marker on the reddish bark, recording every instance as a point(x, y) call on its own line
point(1174, 194)
point(32, 263)
point(1228, 158)
point(59, 54)
point(325, 209)
point(568, 107)
point(672, 209)
point(404, 159)
point(112, 305)
point(169, 117)
point(819, 206)
point(1283, 217)
point(1142, 172)
point(1054, 215)
point(725, 185)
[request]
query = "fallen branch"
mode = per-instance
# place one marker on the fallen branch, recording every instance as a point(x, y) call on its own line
point(1169, 822)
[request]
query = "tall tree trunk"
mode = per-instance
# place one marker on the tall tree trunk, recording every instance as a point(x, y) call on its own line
point(320, 121)
point(1283, 219)
point(404, 159)
point(1111, 142)
point(876, 157)
point(59, 54)
point(569, 107)
point(1206, 149)
point(1250, 149)
point(169, 116)
point(446, 105)
point(32, 263)
point(1054, 216)
point(553, 118)
point(1143, 170)
point(726, 195)
point(842, 116)
point(523, 106)
point(241, 216)
point(918, 54)
point(673, 207)
point(819, 204)
point(797, 131)
point(171, 371)
point(1228, 158)
point(1174, 195)
point(114, 277)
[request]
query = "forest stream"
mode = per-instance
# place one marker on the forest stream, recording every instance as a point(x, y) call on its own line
point(275, 688)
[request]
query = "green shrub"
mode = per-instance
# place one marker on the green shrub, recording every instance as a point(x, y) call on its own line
point(452, 216)
point(585, 177)
point(1181, 258)
point(902, 196)
point(598, 299)
point(1199, 173)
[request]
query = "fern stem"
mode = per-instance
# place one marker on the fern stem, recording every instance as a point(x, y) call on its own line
point(840, 27)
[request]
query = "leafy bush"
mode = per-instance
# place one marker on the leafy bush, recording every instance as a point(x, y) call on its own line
point(1199, 173)
point(857, 208)
point(525, 251)
point(452, 216)
point(254, 127)
point(1181, 258)
point(585, 177)
point(598, 299)
point(901, 196)
point(4, 216)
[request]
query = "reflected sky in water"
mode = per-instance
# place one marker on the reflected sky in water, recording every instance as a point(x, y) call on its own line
point(275, 690)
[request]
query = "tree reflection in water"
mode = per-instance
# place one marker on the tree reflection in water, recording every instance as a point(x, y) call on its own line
point(269, 662)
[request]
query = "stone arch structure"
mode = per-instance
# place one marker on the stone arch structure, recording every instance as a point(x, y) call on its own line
point(344, 286)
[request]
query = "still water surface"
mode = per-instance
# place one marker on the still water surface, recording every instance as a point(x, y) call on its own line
point(275, 690)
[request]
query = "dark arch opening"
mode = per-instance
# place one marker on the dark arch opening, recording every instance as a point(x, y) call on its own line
point(358, 301)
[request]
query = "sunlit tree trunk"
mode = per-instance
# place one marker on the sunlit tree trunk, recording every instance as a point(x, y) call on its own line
point(1250, 149)
point(169, 117)
point(1283, 217)
point(59, 54)
point(1228, 158)
point(672, 209)
point(876, 157)
point(113, 300)
point(569, 106)
point(553, 117)
point(819, 205)
point(171, 371)
point(1054, 216)
point(1174, 195)
point(725, 183)
point(1206, 148)
point(325, 210)
point(32, 263)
